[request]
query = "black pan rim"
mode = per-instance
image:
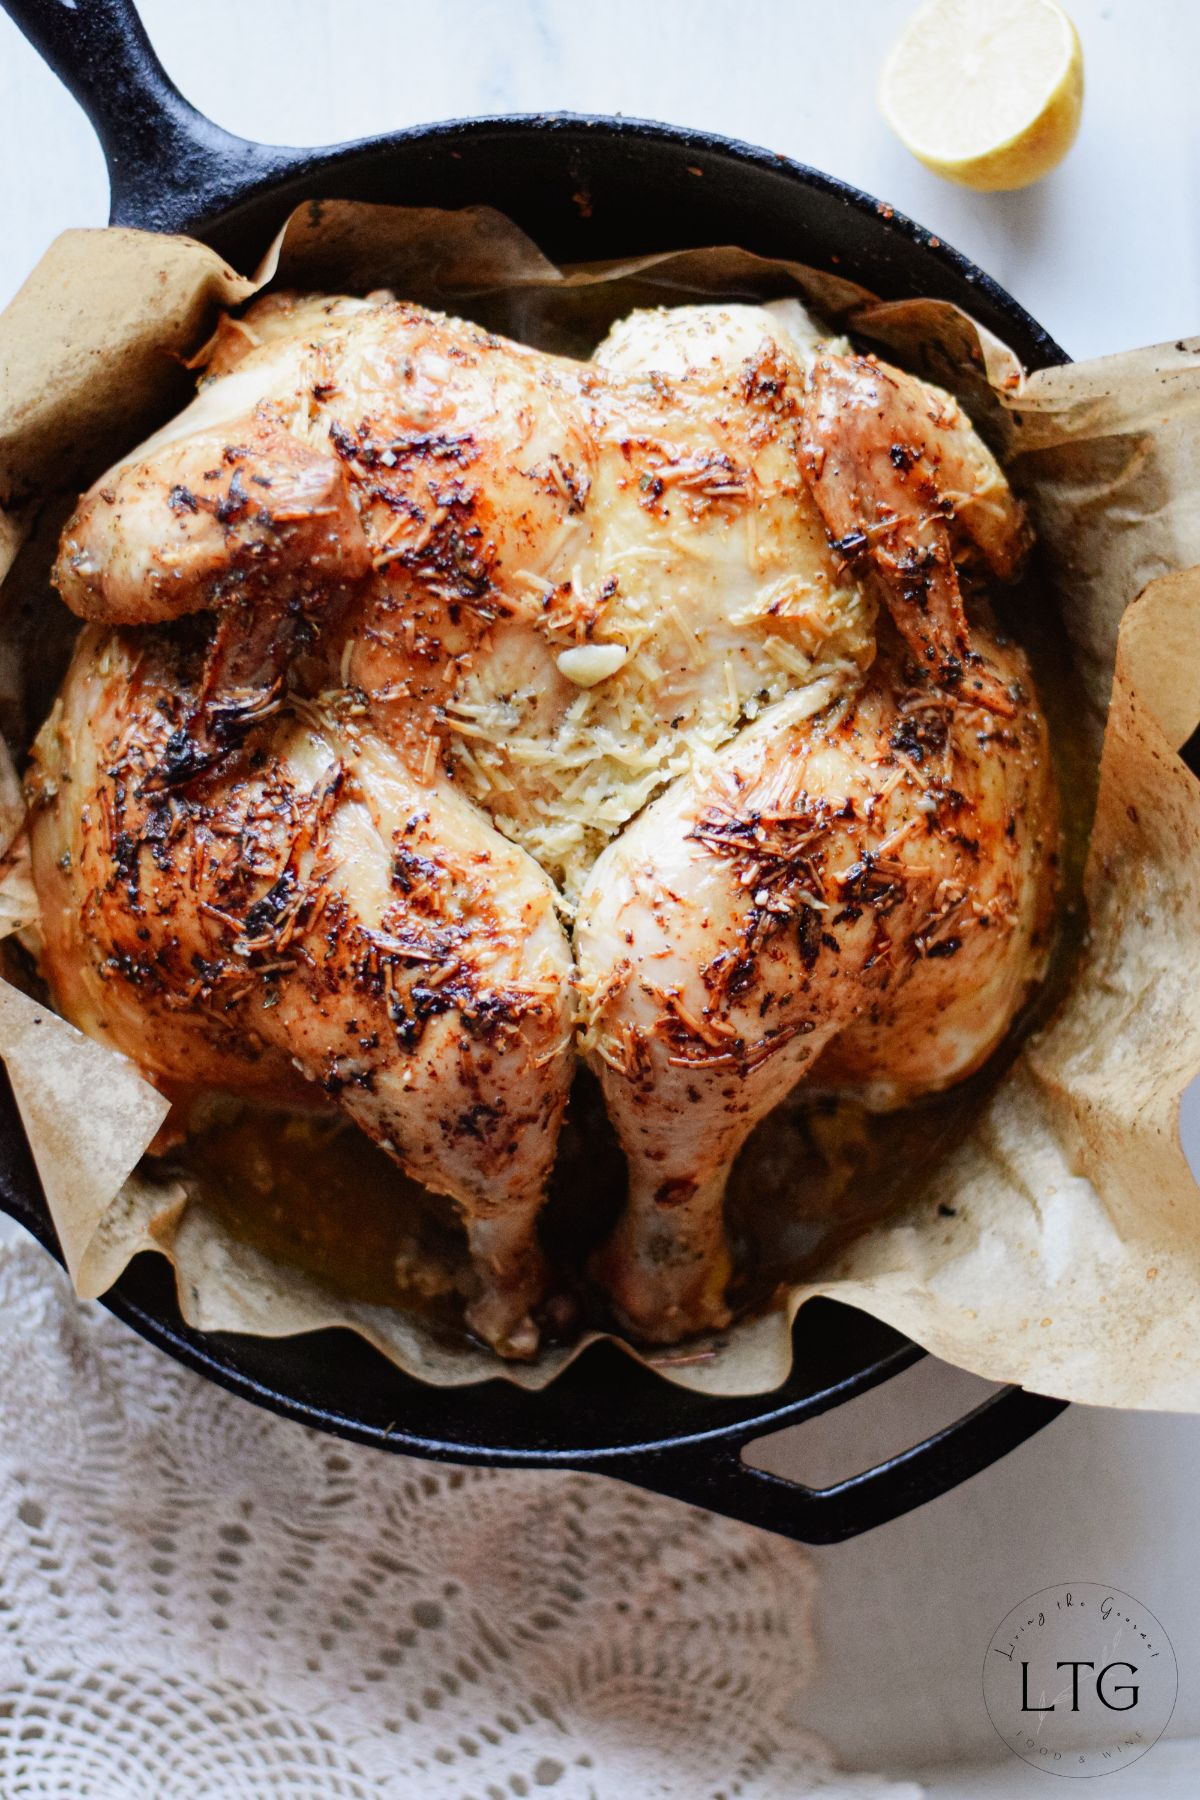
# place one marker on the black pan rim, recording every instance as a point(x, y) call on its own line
point(287, 165)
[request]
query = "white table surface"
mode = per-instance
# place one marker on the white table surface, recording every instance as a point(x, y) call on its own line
point(1105, 254)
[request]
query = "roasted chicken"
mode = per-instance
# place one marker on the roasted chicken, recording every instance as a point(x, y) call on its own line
point(443, 698)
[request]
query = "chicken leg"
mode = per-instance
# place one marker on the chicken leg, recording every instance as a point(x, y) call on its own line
point(820, 886)
point(310, 913)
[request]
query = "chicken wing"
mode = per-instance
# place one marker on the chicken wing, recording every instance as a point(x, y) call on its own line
point(902, 480)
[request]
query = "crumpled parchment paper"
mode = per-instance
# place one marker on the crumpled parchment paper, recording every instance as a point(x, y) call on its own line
point(1056, 1242)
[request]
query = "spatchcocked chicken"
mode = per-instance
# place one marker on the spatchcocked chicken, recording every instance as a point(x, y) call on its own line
point(448, 710)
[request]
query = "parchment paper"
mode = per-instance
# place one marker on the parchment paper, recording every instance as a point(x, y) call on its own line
point(1058, 1242)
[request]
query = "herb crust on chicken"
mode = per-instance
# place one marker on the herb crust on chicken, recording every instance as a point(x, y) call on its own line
point(443, 699)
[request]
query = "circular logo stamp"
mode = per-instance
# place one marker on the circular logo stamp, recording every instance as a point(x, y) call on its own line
point(1080, 1680)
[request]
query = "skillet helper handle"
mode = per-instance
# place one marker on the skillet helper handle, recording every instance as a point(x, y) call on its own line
point(167, 164)
point(714, 1475)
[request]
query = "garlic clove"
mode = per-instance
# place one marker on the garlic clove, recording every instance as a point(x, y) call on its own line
point(588, 664)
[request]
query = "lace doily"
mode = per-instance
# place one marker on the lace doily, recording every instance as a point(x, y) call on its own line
point(198, 1599)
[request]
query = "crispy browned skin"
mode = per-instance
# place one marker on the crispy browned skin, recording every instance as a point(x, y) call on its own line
point(266, 836)
point(213, 520)
point(903, 483)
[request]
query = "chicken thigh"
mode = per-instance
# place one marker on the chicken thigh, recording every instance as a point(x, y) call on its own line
point(400, 624)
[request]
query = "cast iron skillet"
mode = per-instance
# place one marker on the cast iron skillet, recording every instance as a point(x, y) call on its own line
point(644, 187)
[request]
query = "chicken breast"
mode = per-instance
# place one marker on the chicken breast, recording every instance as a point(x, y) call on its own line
point(578, 578)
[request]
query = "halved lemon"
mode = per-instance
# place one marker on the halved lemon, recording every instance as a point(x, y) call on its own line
point(986, 92)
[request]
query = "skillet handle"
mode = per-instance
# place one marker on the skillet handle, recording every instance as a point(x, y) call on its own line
point(714, 1475)
point(168, 165)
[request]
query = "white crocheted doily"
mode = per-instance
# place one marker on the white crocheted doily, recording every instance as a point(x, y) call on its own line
point(199, 1600)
